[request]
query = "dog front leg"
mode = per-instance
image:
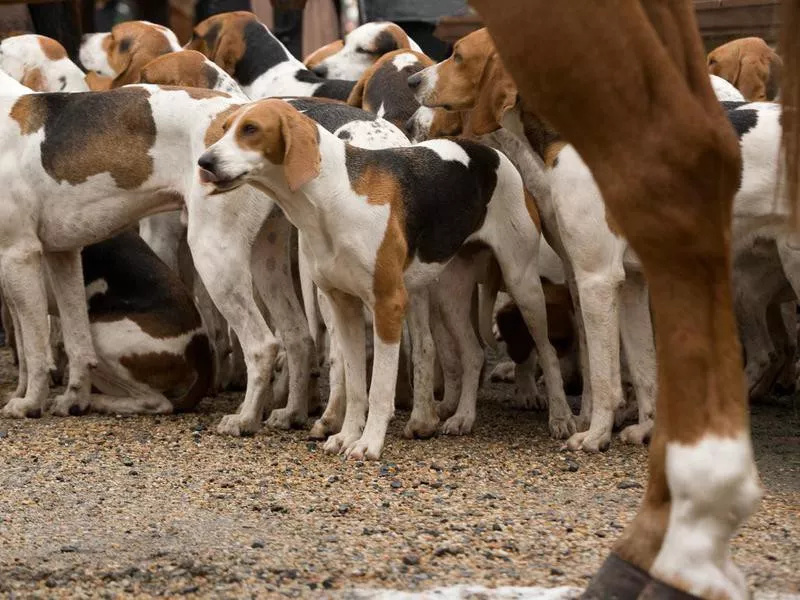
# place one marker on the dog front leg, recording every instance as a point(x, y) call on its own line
point(66, 275)
point(23, 284)
point(424, 420)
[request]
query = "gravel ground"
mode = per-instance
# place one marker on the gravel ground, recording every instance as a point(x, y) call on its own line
point(102, 506)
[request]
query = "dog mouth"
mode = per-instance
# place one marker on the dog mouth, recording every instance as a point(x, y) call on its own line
point(222, 184)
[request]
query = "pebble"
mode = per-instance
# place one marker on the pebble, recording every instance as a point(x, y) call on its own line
point(396, 484)
point(570, 466)
point(69, 548)
point(257, 544)
point(628, 484)
point(411, 559)
point(127, 462)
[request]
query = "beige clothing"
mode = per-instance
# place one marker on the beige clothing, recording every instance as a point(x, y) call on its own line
point(320, 25)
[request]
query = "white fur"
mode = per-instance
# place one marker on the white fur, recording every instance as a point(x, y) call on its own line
point(448, 151)
point(714, 486)
point(724, 90)
point(349, 63)
point(93, 56)
point(20, 54)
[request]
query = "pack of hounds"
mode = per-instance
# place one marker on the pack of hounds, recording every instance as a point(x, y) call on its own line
point(183, 219)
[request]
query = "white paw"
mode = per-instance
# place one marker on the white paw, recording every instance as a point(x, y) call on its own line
point(562, 427)
point(504, 371)
point(458, 424)
point(70, 403)
point(365, 449)
point(236, 425)
point(590, 441)
point(285, 418)
point(339, 442)
point(421, 426)
point(22, 408)
point(322, 429)
point(445, 410)
point(637, 434)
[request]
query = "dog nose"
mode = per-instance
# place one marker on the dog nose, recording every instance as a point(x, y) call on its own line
point(321, 70)
point(207, 166)
point(415, 80)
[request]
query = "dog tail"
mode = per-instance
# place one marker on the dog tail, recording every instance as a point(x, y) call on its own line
point(200, 360)
point(487, 296)
point(790, 92)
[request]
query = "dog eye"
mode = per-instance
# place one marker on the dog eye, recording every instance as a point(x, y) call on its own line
point(249, 129)
point(457, 59)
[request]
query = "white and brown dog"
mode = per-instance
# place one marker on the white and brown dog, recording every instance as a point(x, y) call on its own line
point(40, 63)
point(362, 47)
point(401, 203)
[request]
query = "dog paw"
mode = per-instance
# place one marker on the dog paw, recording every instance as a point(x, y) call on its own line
point(339, 442)
point(322, 428)
point(458, 425)
point(421, 426)
point(22, 408)
point(583, 422)
point(590, 441)
point(70, 403)
point(562, 427)
point(284, 418)
point(236, 425)
point(525, 399)
point(364, 449)
point(638, 434)
point(504, 371)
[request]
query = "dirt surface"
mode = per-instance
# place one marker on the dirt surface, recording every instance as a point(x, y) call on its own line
point(103, 506)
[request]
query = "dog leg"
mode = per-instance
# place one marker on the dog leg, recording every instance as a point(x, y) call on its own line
point(424, 420)
point(348, 326)
point(450, 361)
point(273, 278)
point(14, 335)
point(526, 392)
point(584, 418)
point(331, 420)
point(453, 294)
point(66, 276)
point(23, 283)
point(640, 353)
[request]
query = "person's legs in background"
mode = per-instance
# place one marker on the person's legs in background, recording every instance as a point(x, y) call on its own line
point(422, 33)
point(206, 8)
point(288, 28)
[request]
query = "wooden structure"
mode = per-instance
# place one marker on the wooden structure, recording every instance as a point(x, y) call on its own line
point(719, 20)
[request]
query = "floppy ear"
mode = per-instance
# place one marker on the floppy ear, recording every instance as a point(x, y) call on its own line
point(133, 58)
point(33, 79)
point(753, 75)
point(497, 95)
point(97, 83)
point(301, 160)
point(228, 50)
point(725, 62)
point(356, 97)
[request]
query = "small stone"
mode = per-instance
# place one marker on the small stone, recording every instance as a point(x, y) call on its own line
point(570, 466)
point(327, 583)
point(51, 583)
point(343, 509)
point(600, 534)
point(396, 484)
point(488, 496)
point(69, 548)
point(627, 484)
point(333, 479)
point(190, 589)
point(198, 428)
point(257, 544)
point(3, 434)
point(497, 527)
point(127, 462)
point(451, 550)
point(411, 559)
point(311, 446)
point(436, 467)
point(556, 571)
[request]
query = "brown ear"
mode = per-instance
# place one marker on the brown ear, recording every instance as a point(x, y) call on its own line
point(497, 94)
point(34, 80)
point(753, 76)
point(356, 97)
point(725, 62)
point(302, 159)
point(97, 83)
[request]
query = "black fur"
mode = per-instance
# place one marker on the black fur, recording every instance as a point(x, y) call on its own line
point(743, 120)
point(335, 89)
point(138, 283)
point(444, 202)
point(331, 115)
point(385, 43)
point(389, 87)
point(262, 52)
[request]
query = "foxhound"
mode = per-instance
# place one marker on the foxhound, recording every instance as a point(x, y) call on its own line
point(40, 63)
point(123, 52)
point(401, 200)
point(362, 47)
point(244, 48)
point(750, 65)
point(602, 273)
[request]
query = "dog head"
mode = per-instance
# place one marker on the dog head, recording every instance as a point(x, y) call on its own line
point(362, 48)
point(750, 65)
point(473, 78)
point(268, 142)
point(126, 49)
point(320, 54)
point(41, 64)
point(188, 68)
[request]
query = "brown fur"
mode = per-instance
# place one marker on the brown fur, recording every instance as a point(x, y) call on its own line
point(790, 96)
point(447, 123)
point(356, 97)
point(750, 65)
point(320, 54)
point(221, 38)
point(215, 130)
point(34, 79)
point(92, 151)
point(645, 120)
point(51, 48)
point(131, 46)
point(98, 83)
point(186, 68)
point(533, 211)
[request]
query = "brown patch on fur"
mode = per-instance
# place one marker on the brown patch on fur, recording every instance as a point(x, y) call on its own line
point(391, 260)
point(221, 38)
point(34, 79)
point(29, 114)
point(399, 35)
point(320, 54)
point(552, 151)
point(750, 65)
point(215, 131)
point(98, 83)
point(185, 68)
point(447, 123)
point(284, 136)
point(131, 46)
point(195, 93)
point(51, 48)
point(533, 211)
